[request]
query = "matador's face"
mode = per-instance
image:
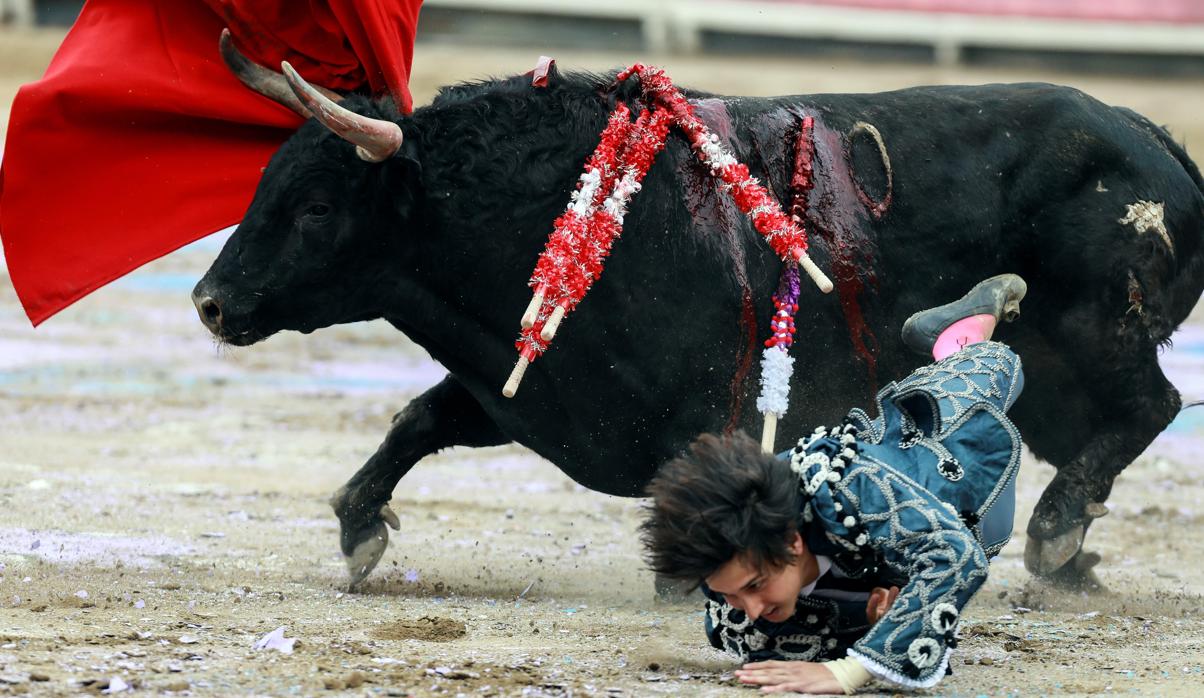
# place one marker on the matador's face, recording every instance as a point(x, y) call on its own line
point(765, 593)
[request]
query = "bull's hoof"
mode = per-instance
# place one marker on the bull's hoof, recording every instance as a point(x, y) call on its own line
point(368, 545)
point(365, 555)
point(1046, 554)
point(1078, 574)
point(1045, 557)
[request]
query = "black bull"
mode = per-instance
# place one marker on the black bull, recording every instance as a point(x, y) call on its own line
point(1098, 209)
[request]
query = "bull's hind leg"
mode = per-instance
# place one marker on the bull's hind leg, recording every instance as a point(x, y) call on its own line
point(1136, 404)
point(446, 415)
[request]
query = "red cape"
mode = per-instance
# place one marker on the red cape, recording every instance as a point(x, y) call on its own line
point(138, 140)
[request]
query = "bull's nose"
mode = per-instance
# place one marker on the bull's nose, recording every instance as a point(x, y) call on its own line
point(210, 312)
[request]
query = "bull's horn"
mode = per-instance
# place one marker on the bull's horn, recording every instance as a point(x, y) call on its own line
point(375, 139)
point(266, 82)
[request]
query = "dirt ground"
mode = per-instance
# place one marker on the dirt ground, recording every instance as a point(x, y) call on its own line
point(163, 503)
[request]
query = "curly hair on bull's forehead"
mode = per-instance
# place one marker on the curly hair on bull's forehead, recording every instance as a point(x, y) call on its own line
point(722, 498)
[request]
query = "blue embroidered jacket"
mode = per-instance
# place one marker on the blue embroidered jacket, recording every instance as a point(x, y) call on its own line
point(920, 497)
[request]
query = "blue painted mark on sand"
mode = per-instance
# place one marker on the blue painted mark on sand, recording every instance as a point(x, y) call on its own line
point(1189, 421)
point(158, 283)
point(135, 380)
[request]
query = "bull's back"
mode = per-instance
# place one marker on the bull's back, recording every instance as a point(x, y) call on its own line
point(1035, 179)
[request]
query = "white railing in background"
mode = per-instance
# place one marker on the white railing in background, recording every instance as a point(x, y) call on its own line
point(946, 33)
point(678, 25)
point(653, 16)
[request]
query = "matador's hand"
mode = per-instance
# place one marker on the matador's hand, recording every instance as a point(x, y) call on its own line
point(783, 677)
point(879, 603)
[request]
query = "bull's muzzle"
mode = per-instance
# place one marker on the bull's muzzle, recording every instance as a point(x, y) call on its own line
point(210, 312)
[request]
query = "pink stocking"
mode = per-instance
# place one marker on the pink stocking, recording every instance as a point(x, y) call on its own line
point(964, 332)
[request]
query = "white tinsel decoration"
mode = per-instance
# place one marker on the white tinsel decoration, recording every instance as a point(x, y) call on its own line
point(583, 198)
point(776, 367)
point(616, 203)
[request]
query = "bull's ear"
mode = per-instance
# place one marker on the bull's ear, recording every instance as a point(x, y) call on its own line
point(403, 179)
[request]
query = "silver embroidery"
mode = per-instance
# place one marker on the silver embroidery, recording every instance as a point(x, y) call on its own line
point(940, 557)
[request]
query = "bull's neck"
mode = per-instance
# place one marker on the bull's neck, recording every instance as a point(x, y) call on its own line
point(490, 196)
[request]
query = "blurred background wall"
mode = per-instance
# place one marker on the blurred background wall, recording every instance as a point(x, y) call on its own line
point(45, 12)
point(1159, 36)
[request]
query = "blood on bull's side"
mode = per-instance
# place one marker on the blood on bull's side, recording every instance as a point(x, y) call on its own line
point(437, 233)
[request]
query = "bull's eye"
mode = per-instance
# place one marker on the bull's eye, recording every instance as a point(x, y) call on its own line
point(317, 210)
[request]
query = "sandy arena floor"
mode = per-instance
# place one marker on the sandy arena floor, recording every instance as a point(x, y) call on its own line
point(163, 503)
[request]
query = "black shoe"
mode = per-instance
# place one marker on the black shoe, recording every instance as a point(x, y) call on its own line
point(999, 296)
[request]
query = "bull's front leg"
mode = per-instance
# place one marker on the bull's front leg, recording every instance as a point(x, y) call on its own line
point(1077, 493)
point(446, 415)
point(1058, 527)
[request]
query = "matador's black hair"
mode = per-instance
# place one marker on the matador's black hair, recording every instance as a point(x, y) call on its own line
point(722, 498)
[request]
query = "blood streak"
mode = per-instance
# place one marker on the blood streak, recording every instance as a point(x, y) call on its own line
point(713, 210)
point(832, 209)
point(802, 178)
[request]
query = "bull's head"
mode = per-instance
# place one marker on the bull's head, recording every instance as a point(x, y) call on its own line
point(320, 235)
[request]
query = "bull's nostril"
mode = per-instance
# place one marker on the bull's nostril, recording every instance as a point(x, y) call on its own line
point(211, 312)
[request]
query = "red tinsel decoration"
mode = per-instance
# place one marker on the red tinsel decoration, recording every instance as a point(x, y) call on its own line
point(583, 235)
